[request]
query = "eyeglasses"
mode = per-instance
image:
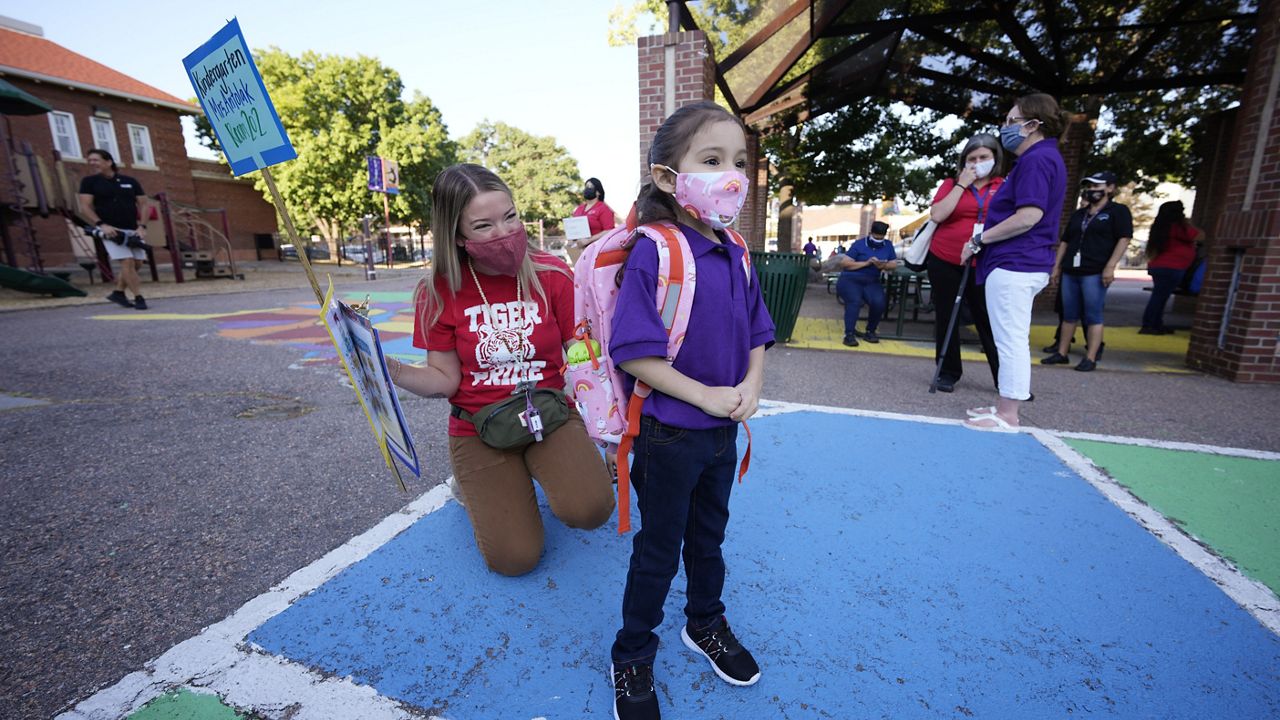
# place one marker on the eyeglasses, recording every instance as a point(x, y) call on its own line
point(1012, 120)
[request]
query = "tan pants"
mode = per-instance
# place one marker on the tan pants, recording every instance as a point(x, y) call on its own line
point(497, 489)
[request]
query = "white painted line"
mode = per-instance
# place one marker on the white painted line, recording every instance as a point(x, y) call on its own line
point(1256, 598)
point(1171, 445)
point(215, 659)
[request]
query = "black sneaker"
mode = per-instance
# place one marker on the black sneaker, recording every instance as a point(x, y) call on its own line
point(851, 340)
point(139, 303)
point(119, 298)
point(633, 695)
point(1087, 365)
point(1055, 359)
point(946, 385)
point(871, 337)
point(732, 662)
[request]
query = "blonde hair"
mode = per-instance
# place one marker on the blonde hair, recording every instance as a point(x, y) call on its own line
point(454, 189)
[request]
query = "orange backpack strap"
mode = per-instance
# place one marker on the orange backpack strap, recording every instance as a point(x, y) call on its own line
point(634, 405)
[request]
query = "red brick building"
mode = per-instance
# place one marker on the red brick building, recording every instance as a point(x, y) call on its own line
point(95, 106)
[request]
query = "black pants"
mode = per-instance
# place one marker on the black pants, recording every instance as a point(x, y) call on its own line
point(682, 480)
point(945, 279)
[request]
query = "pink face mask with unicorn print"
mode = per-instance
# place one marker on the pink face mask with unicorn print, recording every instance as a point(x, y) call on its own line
point(715, 198)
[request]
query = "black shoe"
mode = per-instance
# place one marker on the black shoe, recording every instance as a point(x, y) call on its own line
point(139, 303)
point(851, 339)
point(119, 298)
point(732, 662)
point(1050, 348)
point(1087, 365)
point(1056, 358)
point(871, 337)
point(945, 385)
point(633, 695)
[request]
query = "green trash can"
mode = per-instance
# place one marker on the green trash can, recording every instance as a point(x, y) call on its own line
point(783, 278)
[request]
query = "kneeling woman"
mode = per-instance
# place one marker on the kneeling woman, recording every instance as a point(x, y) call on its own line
point(494, 316)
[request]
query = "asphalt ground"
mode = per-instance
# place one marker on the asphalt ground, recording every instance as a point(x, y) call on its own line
point(174, 474)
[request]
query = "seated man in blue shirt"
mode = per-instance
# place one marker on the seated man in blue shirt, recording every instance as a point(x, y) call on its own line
point(860, 282)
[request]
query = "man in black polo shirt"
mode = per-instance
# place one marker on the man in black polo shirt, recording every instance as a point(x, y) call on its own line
point(1095, 239)
point(112, 202)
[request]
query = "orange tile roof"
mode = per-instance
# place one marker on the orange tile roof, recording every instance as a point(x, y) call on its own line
point(27, 55)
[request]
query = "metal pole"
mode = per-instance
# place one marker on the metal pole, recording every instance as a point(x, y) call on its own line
point(370, 272)
point(386, 214)
point(231, 253)
point(171, 237)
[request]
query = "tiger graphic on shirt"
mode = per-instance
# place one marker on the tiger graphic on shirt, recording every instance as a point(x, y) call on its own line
point(503, 347)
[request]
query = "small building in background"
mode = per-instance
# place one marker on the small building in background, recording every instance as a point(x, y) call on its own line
point(141, 126)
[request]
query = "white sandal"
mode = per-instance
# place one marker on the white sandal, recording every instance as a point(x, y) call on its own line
point(977, 412)
point(1001, 425)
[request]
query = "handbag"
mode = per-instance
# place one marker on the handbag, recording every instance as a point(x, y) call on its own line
point(915, 255)
point(520, 419)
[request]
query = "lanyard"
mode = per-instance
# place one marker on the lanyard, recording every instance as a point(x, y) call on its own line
point(981, 200)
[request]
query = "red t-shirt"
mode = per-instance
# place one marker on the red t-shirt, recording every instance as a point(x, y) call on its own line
point(504, 344)
point(1180, 251)
point(949, 237)
point(599, 217)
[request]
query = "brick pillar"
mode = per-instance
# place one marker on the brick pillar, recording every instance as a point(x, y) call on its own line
point(1245, 247)
point(675, 69)
point(755, 210)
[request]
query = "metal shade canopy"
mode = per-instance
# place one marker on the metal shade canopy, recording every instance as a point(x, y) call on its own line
point(14, 101)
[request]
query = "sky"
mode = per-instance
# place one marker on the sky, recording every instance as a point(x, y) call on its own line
point(543, 66)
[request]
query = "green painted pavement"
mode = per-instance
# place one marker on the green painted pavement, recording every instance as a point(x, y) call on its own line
point(1231, 504)
point(182, 704)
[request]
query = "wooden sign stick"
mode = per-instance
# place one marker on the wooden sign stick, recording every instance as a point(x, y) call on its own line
point(293, 234)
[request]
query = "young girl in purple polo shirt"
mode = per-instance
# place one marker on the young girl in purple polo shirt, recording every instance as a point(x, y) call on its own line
point(685, 456)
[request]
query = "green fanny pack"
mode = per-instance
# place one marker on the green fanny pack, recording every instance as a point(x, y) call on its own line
point(507, 424)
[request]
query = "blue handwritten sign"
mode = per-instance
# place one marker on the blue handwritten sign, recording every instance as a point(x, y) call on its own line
point(234, 99)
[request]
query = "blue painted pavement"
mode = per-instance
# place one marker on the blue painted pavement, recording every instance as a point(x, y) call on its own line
point(877, 568)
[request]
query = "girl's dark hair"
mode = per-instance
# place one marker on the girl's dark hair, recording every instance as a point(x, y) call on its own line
point(598, 186)
point(105, 156)
point(1170, 214)
point(1039, 106)
point(670, 144)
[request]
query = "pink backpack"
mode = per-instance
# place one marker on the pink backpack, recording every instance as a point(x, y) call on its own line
point(595, 384)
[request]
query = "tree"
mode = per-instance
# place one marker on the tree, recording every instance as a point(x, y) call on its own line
point(337, 111)
point(865, 152)
point(541, 174)
point(1143, 135)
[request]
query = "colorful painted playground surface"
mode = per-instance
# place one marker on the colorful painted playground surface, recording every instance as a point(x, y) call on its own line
point(923, 570)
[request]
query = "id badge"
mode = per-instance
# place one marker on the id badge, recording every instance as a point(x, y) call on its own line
point(1075, 260)
point(977, 230)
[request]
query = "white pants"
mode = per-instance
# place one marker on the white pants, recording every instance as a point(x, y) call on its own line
point(1009, 296)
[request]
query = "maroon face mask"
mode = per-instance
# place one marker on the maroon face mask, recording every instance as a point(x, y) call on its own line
point(503, 254)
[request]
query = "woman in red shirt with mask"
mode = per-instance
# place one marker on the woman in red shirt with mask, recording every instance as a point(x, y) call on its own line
point(494, 316)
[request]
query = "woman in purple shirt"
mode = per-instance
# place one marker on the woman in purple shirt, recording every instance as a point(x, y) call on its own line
point(1017, 248)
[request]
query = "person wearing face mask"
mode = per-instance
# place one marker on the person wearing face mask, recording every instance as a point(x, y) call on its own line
point(859, 282)
point(599, 216)
point(1096, 237)
point(686, 456)
point(959, 206)
point(1017, 247)
point(494, 315)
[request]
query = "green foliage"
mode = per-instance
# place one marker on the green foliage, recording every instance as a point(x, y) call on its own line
point(542, 175)
point(1144, 136)
point(865, 152)
point(337, 111)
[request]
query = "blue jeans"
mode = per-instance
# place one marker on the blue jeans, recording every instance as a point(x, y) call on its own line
point(1165, 281)
point(855, 291)
point(1086, 288)
point(682, 480)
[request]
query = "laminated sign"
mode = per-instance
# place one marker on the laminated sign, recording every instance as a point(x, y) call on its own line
point(236, 103)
